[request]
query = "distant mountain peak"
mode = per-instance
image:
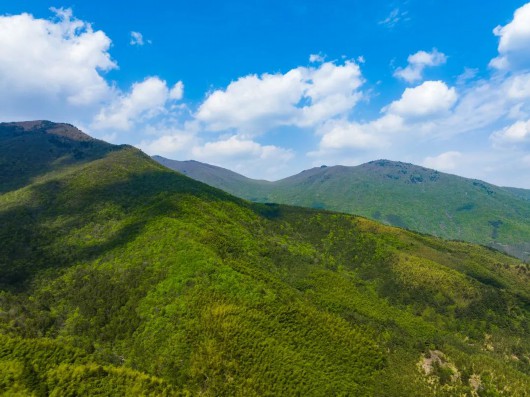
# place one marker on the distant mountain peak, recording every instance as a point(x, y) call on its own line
point(48, 127)
point(384, 163)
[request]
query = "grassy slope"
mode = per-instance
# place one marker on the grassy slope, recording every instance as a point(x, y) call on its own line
point(522, 193)
point(399, 194)
point(122, 277)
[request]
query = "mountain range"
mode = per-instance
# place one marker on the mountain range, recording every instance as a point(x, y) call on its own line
point(120, 276)
point(395, 193)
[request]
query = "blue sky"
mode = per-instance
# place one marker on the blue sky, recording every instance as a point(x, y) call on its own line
point(269, 88)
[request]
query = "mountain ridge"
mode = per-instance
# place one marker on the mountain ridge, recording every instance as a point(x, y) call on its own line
point(400, 194)
point(322, 168)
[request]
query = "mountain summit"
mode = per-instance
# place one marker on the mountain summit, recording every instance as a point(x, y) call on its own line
point(31, 149)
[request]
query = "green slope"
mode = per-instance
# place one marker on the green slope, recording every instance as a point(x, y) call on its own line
point(398, 194)
point(522, 193)
point(121, 277)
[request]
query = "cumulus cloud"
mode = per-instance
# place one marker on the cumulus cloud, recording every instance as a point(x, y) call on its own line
point(517, 133)
point(233, 152)
point(245, 156)
point(137, 39)
point(444, 162)
point(52, 68)
point(417, 63)
point(341, 134)
point(434, 111)
point(514, 43)
point(171, 141)
point(431, 98)
point(253, 100)
point(302, 97)
point(237, 148)
point(412, 115)
point(146, 99)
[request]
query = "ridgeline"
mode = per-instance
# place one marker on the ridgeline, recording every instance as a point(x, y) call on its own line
point(394, 193)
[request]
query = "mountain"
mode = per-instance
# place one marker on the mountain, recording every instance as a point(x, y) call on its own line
point(522, 193)
point(398, 194)
point(122, 277)
point(35, 148)
point(218, 177)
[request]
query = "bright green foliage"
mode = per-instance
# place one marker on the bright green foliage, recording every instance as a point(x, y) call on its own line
point(121, 277)
point(47, 367)
point(394, 193)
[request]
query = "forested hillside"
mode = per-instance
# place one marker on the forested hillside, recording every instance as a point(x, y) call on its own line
point(122, 277)
point(393, 193)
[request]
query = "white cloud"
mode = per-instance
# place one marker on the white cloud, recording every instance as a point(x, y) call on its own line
point(514, 43)
point(253, 102)
point(393, 18)
point(341, 139)
point(444, 162)
point(301, 97)
point(515, 134)
point(171, 142)
point(244, 156)
point(414, 115)
point(52, 69)
point(466, 75)
point(177, 92)
point(479, 105)
point(435, 113)
point(518, 87)
point(146, 100)
point(316, 58)
point(137, 39)
point(237, 153)
point(417, 63)
point(431, 98)
point(341, 134)
point(238, 148)
point(331, 90)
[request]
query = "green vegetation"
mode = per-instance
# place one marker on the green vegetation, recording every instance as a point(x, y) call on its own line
point(394, 193)
point(121, 277)
point(522, 193)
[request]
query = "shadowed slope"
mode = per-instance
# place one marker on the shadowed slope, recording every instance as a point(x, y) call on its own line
point(34, 148)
